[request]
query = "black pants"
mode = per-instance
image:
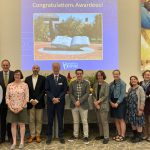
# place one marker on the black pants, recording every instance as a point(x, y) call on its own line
point(59, 110)
point(3, 125)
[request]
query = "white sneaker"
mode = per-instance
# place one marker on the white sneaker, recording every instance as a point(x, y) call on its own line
point(85, 140)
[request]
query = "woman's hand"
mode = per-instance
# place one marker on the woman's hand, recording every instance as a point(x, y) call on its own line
point(10, 108)
point(17, 110)
point(116, 105)
point(140, 113)
point(20, 109)
point(112, 104)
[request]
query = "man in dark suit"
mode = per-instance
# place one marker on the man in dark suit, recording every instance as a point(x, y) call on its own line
point(6, 77)
point(36, 84)
point(56, 88)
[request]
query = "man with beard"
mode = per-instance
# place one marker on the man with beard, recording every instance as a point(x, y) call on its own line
point(36, 84)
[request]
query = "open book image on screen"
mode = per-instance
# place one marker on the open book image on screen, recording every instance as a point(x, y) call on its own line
point(67, 36)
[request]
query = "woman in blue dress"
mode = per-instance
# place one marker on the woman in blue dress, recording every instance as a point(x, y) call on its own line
point(135, 108)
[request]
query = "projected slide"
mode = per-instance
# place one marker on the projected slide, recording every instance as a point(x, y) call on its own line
point(76, 33)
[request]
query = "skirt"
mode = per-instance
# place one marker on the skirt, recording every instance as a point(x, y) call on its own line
point(119, 112)
point(21, 117)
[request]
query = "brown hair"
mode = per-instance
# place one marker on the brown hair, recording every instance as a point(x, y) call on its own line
point(116, 70)
point(78, 70)
point(19, 71)
point(102, 74)
point(145, 72)
point(5, 60)
point(135, 78)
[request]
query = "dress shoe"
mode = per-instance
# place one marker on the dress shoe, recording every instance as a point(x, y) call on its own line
point(31, 139)
point(2, 141)
point(62, 140)
point(49, 140)
point(38, 139)
point(105, 141)
point(10, 140)
point(99, 137)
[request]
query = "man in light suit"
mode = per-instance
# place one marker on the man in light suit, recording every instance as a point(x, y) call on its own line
point(56, 88)
point(36, 84)
point(6, 77)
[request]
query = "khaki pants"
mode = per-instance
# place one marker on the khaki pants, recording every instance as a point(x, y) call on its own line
point(147, 126)
point(35, 121)
point(76, 120)
point(102, 118)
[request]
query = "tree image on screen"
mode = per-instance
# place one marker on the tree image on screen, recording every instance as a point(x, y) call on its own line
point(66, 36)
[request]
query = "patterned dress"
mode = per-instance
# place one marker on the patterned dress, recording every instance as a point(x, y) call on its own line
point(132, 104)
point(17, 95)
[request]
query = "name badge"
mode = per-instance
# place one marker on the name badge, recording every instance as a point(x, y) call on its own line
point(60, 83)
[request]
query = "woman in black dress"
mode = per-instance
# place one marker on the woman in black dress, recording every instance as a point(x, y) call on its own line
point(117, 91)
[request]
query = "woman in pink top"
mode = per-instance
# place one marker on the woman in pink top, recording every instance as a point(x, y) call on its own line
point(17, 96)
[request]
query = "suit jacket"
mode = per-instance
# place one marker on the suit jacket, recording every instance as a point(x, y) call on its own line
point(37, 93)
point(85, 90)
point(11, 79)
point(103, 95)
point(56, 90)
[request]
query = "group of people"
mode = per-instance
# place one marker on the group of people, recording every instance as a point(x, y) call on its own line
point(23, 102)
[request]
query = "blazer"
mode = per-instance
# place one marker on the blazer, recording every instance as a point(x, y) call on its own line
point(141, 97)
point(85, 91)
point(54, 90)
point(37, 93)
point(103, 95)
point(119, 91)
point(11, 79)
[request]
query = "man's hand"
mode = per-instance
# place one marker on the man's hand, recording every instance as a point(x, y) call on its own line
point(56, 100)
point(77, 103)
point(97, 104)
point(33, 102)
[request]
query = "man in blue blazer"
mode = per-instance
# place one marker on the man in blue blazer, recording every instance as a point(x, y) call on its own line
point(56, 88)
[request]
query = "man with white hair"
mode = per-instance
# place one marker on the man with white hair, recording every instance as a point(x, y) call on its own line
point(56, 88)
point(36, 84)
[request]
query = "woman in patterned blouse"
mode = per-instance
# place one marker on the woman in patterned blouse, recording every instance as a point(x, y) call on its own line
point(17, 96)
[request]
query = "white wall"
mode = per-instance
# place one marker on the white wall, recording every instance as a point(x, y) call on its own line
point(129, 36)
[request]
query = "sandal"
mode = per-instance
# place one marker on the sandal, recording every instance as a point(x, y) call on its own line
point(120, 139)
point(116, 137)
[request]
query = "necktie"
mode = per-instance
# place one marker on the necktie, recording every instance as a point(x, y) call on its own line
point(56, 79)
point(5, 79)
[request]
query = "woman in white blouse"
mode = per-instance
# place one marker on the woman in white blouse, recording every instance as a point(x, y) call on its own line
point(1, 94)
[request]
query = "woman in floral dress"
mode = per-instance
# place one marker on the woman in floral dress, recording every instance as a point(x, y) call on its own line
point(17, 96)
point(135, 108)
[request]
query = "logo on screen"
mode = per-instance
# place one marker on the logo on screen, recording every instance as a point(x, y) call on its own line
point(70, 65)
